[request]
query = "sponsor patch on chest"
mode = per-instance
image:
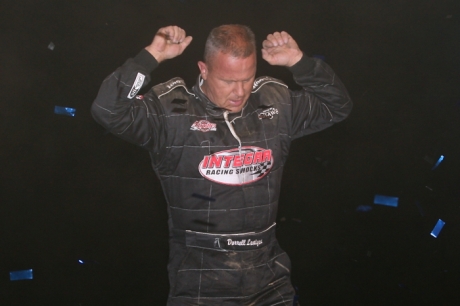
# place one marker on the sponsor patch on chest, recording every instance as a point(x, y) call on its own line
point(203, 126)
point(237, 166)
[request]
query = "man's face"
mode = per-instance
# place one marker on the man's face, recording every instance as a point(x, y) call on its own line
point(228, 80)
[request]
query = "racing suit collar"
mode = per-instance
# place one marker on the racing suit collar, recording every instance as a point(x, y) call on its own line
point(211, 108)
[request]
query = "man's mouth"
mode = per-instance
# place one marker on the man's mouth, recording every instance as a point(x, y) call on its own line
point(236, 102)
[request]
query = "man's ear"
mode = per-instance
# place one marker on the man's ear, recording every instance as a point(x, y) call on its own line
point(203, 70)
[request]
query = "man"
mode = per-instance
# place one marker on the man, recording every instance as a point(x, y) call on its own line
point(219, 149)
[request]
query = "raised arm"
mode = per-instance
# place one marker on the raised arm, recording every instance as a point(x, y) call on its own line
point(324, 99)
point(117, 106)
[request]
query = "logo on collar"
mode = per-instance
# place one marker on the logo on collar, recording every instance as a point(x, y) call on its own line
point(268, 113)
point(203, 126)
point(175, 82)
point(259, 81)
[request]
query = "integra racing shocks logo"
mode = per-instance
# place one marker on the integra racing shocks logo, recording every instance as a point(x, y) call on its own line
point(237, 166)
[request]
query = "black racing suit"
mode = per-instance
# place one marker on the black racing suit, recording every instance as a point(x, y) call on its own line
point(221, 172)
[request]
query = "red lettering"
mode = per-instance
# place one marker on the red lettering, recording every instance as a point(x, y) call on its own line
point(267, 155)
point(238, 161)
point(228, 160)
point(215, 161)
point(204, 164)
point(248, 158)
point(258, 157)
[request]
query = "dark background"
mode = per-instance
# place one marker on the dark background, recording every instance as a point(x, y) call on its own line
point(69, 191)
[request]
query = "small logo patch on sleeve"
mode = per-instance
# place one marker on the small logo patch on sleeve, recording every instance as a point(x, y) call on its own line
point(268, 113)
point(137, 85)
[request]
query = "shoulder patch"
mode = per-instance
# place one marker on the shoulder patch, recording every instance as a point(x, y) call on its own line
point(166, 87)
point(261, 81)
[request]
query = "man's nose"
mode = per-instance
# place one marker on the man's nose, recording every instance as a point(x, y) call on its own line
point(239, 89)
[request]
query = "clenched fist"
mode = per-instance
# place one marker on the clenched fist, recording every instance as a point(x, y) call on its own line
point(168, 43)
point(281, 49)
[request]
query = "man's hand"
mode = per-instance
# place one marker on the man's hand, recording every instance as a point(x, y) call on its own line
point(281, 49)
point(168, 43)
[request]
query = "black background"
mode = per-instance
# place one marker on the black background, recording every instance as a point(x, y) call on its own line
point(69, 191)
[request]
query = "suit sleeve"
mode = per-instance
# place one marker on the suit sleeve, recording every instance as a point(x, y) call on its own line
point(323, 100)
point(126, 115)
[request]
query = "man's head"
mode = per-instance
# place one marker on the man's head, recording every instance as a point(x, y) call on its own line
point(229, 66)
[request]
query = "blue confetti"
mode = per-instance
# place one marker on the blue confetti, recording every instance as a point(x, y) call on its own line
point(199, 196)
point(386, 200)
point(438, 162)
point(62, 110)
point(87, 262)
point(364, 208)
point(437, 228)
point(21, 275)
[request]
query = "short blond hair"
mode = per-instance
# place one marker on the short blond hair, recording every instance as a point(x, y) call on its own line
point(234, 39)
